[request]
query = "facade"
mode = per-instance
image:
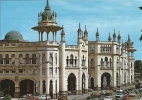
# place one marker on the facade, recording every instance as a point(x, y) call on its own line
point(55, 68)
point(111, 62)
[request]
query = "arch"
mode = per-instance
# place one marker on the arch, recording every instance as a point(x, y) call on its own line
point(8, 86)
point(44, 86)
point(6, 59)
point(71, 59)
point(33, 58)
point(1, 59)
point(72, 82)
point(83, 83)
point(92, 83)
point(51, 88)
point(27, 59)
point(92, 62)
point(27, 86)
point(106, 59)
point(105, 80)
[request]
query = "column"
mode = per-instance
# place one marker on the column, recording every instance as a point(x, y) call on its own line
point(17, 92)
point(47, 35)
point(47, 74)
point(40, 74)
point(39, 35)
point(55, 35)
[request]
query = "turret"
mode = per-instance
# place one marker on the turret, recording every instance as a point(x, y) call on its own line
point(114, 36)
point(62, 35)
point(85, 34)
point(97, 35)
point(119, 37)
point(79, 31)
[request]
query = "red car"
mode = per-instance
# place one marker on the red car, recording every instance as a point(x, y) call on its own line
point(126, 97)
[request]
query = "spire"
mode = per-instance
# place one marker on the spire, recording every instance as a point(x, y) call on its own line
point(109, 38)
point(119, 35)
point(114, 35)
point(97, 33)
point(62, 32)
point(85, 32)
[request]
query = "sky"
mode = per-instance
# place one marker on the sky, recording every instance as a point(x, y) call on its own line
point(106, 15)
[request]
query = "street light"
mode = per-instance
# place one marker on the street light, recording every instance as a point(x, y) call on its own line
point(90, 70)
point(33, 73)
point(141, 30)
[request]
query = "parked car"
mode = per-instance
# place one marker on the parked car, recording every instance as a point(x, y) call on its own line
point(119, 96)
point(102, 92)
point(119, 90)
point(108, 98)
point(126, 97)
point(132, 94)
point(21, 98)
point(44, 97)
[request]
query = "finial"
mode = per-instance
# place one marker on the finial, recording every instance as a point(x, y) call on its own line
point(62, 27)
point(97, 29)
point(85, 27)
point(79, 25)
point(47, 2)
point(114, 30)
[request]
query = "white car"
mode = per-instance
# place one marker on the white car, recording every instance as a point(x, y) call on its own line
point(44, 97)
point(119, 90)
point(108, 98)
point(132, 94)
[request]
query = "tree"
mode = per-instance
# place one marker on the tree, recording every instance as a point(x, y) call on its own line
point(138, 66)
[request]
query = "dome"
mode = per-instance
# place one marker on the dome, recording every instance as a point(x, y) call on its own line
point(47, 13)
point(13, 35)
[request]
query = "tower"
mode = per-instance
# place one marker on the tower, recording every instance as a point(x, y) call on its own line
point(47, 23)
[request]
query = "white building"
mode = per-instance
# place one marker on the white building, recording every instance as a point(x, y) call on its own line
point(55, 68)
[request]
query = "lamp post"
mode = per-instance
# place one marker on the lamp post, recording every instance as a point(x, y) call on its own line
point(90, 70)
point(34, 73)
point(141, 30)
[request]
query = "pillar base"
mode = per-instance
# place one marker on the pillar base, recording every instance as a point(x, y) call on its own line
point(78, 92)
point(16, 94)
point(86, 90)
point(63, 93)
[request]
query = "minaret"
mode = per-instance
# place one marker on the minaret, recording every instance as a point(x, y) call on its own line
point(97, 35)
point(47, 23)
point(62, 77)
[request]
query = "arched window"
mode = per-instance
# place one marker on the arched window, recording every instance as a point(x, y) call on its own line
point(102, 63)
point(92, 62)
point(51, 59)
point(71, 59)
point(106, 59)
point(27, 59)
point(6, 59)
point(75, 61)
point(56, 58)
point(43, 58)
point(1, 59)
point(67, 60)
point(33, 59)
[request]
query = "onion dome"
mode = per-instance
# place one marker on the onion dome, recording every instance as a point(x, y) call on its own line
point(47, 14)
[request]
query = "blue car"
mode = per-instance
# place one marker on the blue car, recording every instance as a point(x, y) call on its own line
point(119, 96)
